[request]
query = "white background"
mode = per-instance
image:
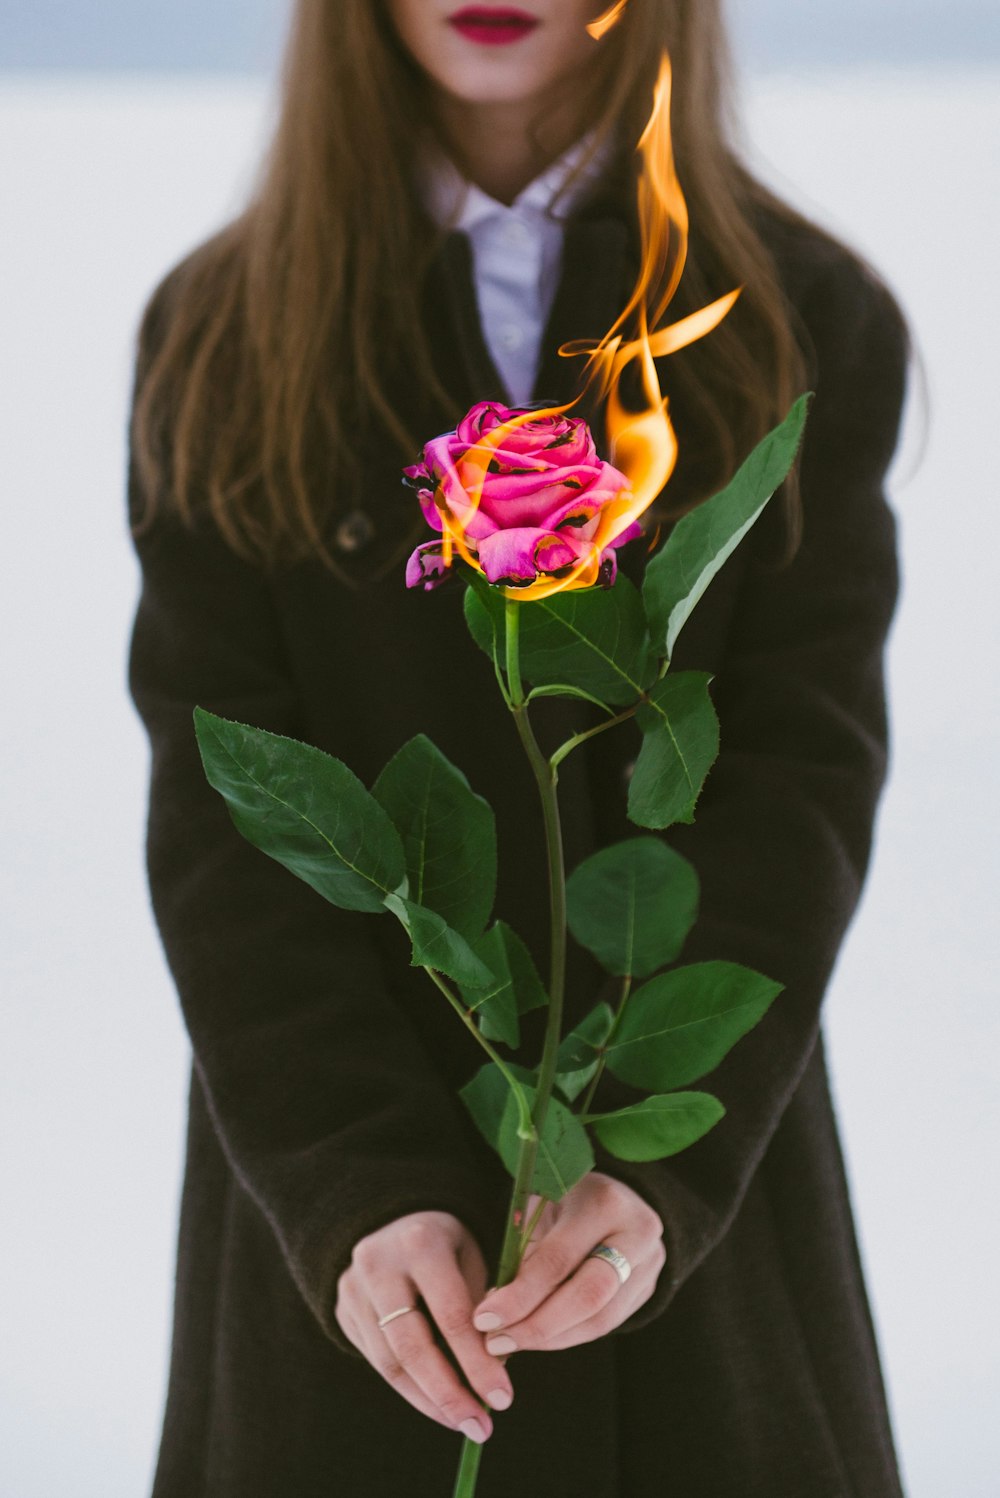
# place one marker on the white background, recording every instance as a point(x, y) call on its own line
point(104, 183)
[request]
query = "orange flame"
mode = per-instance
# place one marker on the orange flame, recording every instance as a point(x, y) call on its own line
point(607, 19)
point(642, 443)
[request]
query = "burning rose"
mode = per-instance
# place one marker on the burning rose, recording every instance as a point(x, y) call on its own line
point(522, 497)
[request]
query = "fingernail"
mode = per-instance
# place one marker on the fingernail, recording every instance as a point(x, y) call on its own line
point(486, 1321)
point(500, 1345)
point(500, 1399)
point(473, 1430)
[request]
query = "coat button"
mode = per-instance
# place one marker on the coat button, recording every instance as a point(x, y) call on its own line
point(354, 532)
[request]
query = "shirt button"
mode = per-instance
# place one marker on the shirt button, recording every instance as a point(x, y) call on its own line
point(511, 337)
point(354, 532)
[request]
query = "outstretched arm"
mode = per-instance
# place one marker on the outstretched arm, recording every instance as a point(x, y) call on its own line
point(331, 1112)
point(783, 830)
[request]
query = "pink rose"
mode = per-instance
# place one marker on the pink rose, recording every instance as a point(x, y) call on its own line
point(522, 497)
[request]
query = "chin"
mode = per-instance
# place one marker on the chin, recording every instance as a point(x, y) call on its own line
point(489, 82)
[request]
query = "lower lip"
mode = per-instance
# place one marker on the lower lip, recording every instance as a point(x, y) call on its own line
point(494, 36)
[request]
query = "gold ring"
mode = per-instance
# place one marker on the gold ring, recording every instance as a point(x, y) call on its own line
point(384, 1320)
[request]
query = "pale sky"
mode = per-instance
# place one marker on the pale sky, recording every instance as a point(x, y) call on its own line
point(244, 35)
point(107, 186)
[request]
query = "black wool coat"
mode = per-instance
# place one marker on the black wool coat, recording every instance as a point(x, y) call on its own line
point(325, 1070)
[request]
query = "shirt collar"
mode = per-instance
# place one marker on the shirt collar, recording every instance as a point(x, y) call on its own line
point(455, 203)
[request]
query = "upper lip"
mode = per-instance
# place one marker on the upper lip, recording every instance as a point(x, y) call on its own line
point(496, 13)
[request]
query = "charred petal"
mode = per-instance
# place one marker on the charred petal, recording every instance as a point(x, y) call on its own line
point(495, 465)
point(514, 582)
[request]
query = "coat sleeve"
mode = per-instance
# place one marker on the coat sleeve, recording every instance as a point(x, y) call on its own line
point(783, 829)
point(331, 1114)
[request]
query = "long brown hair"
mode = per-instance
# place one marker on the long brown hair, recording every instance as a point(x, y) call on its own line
point(237, 384)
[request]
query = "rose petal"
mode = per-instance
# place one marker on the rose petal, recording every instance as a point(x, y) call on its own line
point(571, 439)
point(429, 509)
point(608, 569)
point(557, 552)
point(472, 518)
point(426, 567)
point(511, 556)
point(531, 498)
point(452, 492)
point(539, 500)
point(630, 533)
point(484, 417)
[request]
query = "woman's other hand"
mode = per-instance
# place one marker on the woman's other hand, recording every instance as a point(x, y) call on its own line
point(429, 1260)
point(560, 1297)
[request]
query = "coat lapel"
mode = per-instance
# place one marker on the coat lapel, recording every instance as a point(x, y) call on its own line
point(592, 286)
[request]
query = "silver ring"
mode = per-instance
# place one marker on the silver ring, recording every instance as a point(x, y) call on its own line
point(384, 1320)
point(618, 1261)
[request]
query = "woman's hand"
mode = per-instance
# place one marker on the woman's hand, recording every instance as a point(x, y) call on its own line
point(427, 1257)
point(559, 1297)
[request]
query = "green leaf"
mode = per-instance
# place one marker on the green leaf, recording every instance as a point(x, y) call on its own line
point(678, 1027)
point(679, 746)
point(485, 621)
point(704, 539)
point(632, 905)
point(592, 638)
point(448, 832)
point(436, 945)
point(564, 1152)
point(491, 1103)
point(495, 1007)
point(516, 987)
point(657, 1126)
point(578, 1055)
point(305, 809)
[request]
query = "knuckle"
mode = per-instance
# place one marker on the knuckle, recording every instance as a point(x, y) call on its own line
point(417, 1235)
point(605, 1190)
point(391, 1369)
point(366, 1254)
point(651, 1222)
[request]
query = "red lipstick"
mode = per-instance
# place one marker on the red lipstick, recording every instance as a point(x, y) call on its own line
point(492, 25)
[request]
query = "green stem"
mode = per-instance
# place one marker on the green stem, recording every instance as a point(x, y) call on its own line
point(468, 1469)
point(512, 622)
point(529, 1230)
point(546, 779)
point(513, 1245)
point(501, 683)
point(602, 1059)
point(515, 1239)
point(524, 1128)
point(590, 733)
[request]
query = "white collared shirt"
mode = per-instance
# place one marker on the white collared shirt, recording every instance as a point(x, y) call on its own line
point(517, 255)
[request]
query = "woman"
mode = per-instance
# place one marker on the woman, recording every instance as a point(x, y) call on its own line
point(448, 199)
